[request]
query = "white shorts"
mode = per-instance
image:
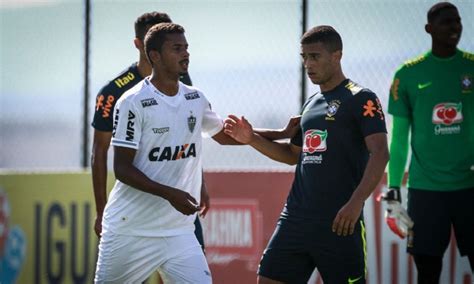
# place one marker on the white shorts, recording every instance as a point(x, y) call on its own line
point(132, 259)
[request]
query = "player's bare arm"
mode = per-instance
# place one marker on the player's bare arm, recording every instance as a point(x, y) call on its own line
point(100, 147)
point(241, 130)
point(348, 215)
point(127, 173)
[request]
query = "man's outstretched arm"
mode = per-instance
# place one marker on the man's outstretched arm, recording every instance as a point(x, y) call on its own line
point(241, 130)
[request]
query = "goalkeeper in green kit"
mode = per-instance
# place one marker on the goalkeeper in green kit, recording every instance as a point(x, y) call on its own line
point(432, 98)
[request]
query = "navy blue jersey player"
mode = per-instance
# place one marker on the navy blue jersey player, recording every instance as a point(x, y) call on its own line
point(104, 108)
point(341, 152)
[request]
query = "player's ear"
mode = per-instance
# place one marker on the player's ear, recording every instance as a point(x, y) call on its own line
point(155, 56)
point(428, 28)
point(139, 44)
point(337, 55)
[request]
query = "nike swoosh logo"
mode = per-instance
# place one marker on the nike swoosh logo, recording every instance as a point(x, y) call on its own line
point(422, 86)
point(350, 280)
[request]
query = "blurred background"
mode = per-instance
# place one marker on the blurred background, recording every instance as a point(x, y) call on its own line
point(244, 57)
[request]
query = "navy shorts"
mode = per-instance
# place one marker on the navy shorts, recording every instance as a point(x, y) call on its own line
point(198, 232)
point(434, 214)
point(297, 248)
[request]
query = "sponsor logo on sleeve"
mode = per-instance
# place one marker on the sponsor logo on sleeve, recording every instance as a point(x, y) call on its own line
point(446, 118)
point(130, 126)
point(191, 96)
point(149, 102)
point(116, 118)
point(394, 89)
point(122, 81)
point(371, 108)
point(105, 107)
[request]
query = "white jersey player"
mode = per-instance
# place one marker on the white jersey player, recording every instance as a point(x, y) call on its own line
point(165, 131)
point(148, 223)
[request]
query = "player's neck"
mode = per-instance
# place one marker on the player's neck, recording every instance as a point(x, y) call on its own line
point(168, 85)
point(443, 51)
point(144, 68)
point(332, 83)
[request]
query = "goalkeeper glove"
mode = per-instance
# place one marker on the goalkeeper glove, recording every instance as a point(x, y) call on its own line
point(396, 216)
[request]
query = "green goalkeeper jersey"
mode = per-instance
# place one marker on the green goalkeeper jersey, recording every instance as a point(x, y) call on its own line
point(437, 96)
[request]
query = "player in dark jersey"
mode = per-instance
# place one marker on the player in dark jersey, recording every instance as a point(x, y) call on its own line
point(104, 108)
point(341, 152)
point(432, 97)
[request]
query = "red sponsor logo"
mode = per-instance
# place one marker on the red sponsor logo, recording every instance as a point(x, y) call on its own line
point(447, 113)
point(315, 141)
point(233, 231)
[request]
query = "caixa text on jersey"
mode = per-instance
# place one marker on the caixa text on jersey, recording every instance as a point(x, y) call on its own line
point(171, 153)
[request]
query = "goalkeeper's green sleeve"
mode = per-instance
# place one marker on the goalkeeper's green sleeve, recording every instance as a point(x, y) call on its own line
point(398, 150)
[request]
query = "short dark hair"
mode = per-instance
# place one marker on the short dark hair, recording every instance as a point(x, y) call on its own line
point(147, 20)
point(327, 35)
point(437, 8)
point(156, 36)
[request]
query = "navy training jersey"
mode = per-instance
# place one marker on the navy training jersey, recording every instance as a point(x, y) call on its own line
point(334, 154)
point(110, 93)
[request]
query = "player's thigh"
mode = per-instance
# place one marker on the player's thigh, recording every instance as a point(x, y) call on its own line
point(342, 259)
point(187, 263)
point(127, 259)
point(461, 204)
point(432, 224)
point(286, 258)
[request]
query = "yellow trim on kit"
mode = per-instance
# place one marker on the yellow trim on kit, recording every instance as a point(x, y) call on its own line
point(364, 243)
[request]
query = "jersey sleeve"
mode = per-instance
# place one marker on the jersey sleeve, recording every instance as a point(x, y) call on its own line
point(103, 112)
point(127, 128)
point(368, 113)
point(211, 122)
point(398, 103)
point(398, 151)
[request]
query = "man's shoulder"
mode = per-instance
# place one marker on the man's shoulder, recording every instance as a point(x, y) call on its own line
point(356, 89)
point(125, 80)
point(135, 94)
point(190, 92)
point(467, 56)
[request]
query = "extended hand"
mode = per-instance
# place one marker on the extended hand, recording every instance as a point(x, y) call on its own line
point(239, 129)
point(347, 217)
point(205, 200)
point(292, 127)
point(182, 201)
point(98, 225)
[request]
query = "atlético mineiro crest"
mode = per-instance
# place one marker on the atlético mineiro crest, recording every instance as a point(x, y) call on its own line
point(447, 113)
point(191, 122)
point(466, 84)
point(315, 141)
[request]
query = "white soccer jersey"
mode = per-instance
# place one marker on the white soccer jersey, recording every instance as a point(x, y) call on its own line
point(166, 132)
